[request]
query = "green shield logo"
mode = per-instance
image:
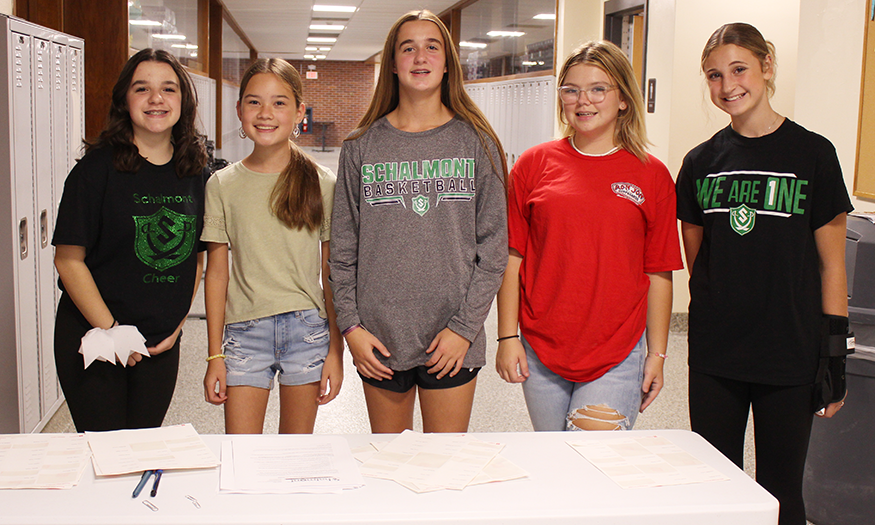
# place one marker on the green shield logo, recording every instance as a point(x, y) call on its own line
point(165, 238)
point(420, 204)
point(742, 219)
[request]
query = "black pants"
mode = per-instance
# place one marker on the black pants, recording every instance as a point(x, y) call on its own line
point(782, 422)
point(106, 396)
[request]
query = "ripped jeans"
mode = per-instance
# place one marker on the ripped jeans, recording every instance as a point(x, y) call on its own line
point(610, 402)
point(293, 344)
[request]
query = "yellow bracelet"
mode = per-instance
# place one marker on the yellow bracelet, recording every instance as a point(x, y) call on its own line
point(217, 356)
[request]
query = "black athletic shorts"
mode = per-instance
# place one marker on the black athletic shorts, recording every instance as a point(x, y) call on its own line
point(405, 380)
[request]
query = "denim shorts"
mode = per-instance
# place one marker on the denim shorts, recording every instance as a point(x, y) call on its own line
point(553, 401)
point(293, 344)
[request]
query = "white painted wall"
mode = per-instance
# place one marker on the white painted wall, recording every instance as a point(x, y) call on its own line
point(819, 52)
point(827, 98)
point(6, 7)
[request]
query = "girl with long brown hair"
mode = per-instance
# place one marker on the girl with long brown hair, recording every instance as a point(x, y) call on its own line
point(269, 314)
point(420, 239)
point(126, 245)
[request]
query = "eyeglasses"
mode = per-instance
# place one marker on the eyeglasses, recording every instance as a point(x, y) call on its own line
point(595, 94)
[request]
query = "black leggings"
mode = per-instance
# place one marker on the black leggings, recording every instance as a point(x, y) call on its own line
point(106, 396)
point(782, 421)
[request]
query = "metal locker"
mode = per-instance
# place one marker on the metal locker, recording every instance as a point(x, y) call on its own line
point(44, 216)
point(34, 146)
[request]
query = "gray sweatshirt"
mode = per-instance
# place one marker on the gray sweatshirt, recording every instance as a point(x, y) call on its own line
point(418, 238)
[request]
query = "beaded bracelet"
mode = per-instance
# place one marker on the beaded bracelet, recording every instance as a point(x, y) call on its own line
point(217, 356)
point(657, 354)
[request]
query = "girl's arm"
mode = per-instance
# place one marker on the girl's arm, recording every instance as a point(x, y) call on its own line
point(450, 347)
point(215, 295)
point(830, 242)
point(332, 369)
point(658, 320)
point(692, 235)
point(510, 361)
point(80, 286)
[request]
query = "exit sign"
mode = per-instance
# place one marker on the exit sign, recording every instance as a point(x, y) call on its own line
point(312, 75)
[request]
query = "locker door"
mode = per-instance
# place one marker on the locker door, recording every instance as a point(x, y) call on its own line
point(60, 126)
point(43, 82)
point(25, 270)
point(75, 103)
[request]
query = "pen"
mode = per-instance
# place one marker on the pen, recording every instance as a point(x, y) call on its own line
point(155, 483)
point(143, 479)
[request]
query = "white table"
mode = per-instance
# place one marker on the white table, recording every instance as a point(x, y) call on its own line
point(562, 488)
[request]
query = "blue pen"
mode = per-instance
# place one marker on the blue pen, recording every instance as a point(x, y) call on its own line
point(155, 483)
point(142, 482)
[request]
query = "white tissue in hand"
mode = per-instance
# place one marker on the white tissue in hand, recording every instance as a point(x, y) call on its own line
point(97, 344)
point(113, 346)
point(128, 340)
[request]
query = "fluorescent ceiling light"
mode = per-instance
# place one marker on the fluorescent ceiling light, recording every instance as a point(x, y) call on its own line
point(309, 56)
point(321, 39)
point(324, 49)
point(505, 33)
point(320, 56)
point(184, 46)
point(311, 48)
point(327, 27)
point(143, 22)
point(545, 16)
point(335, 8)
point(473, 45)
point(163, 36)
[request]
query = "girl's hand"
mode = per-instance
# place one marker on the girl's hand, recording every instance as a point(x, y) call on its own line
point(216, 374)
point(449, 350)
point(362, 345)
point(832, 408)
point(161, 347)
point(332, 373)
point(653, 379)
point(510, 361)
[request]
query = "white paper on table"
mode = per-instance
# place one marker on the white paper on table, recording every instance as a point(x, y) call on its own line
point(645, 461)
point(113, 346)
point(431, 461)
point(288, 464)
point(168, 448)
point(42, 461)
point(499, 469)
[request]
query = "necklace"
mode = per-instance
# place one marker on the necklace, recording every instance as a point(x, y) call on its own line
point(769, 129)
point(605, 154)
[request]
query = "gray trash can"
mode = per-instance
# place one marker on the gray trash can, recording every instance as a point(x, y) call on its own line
point(839, 485)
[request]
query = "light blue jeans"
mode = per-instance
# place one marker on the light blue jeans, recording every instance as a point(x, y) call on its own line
point(555, 403)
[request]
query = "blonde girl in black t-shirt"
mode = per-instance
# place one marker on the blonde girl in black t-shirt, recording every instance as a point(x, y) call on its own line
point(763, 208)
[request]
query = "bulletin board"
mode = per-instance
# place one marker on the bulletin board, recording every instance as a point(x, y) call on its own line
point(864, 181)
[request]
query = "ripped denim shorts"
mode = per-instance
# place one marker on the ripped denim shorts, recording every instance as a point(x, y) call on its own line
point(293, 344)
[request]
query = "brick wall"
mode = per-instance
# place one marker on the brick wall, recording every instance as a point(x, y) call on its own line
point(340, 95)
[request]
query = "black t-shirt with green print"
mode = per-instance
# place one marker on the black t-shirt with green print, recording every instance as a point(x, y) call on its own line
point(755, 297)
point(140, 232)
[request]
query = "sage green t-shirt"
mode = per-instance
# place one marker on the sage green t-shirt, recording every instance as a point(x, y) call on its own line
point(275, 269)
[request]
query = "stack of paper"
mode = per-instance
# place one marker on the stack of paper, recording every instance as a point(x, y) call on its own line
point(42, 461)
point(288, 464)
point(127, 451)
point(429, 462)
point(646, 461)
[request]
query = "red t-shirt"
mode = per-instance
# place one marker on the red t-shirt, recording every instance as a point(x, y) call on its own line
point(588, 228)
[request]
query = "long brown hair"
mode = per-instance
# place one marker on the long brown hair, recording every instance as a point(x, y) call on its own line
point(296, 199)
point(747, 37)
point(453, 94)
point(189, 154)
point(629, 132)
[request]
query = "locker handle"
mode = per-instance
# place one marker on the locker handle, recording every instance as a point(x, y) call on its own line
point(44, 228)
point(22, 238)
